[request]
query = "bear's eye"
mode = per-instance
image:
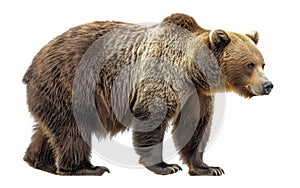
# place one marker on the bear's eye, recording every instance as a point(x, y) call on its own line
point(251, 66)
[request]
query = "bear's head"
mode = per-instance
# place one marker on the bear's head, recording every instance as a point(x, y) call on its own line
point(241, 63)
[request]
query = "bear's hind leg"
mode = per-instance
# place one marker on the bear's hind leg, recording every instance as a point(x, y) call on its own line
point(40, 154)
point(72, 152)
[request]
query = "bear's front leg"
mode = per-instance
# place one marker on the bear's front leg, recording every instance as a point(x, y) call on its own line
point(198, 167)
point(148, 145)
point(153, 106)
point(192, 153)
point(191, 132)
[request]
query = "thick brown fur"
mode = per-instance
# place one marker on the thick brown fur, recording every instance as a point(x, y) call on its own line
point(60, 146)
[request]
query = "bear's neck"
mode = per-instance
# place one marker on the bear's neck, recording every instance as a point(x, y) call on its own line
point(204, 69)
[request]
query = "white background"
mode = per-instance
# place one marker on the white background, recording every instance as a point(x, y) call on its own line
point(259, 141)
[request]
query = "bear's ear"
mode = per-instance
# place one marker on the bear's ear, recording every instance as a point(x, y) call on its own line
point(218, 39)
point(253, 36)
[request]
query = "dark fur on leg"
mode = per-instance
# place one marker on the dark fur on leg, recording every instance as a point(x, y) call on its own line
point(73, 158)
point(40, 154)
point(196, 122)
point(71, 153)
point(149, 146)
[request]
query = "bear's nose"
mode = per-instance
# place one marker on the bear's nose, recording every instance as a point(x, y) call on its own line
point(267, 87)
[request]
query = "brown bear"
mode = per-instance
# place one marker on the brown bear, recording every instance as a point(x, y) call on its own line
point(106, 77)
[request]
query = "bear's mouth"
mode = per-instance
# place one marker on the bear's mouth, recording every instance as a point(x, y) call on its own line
point(255, 90)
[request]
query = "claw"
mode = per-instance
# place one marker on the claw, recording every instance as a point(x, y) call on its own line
point(176, 167)
point(89, 170)
point(164, 168)
point(172, 170)
point(207, 171)
point(105, 169)
point(222, 171)
point(215, 172)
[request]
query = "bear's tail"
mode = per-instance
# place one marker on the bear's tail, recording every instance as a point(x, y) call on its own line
point(28, 75)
